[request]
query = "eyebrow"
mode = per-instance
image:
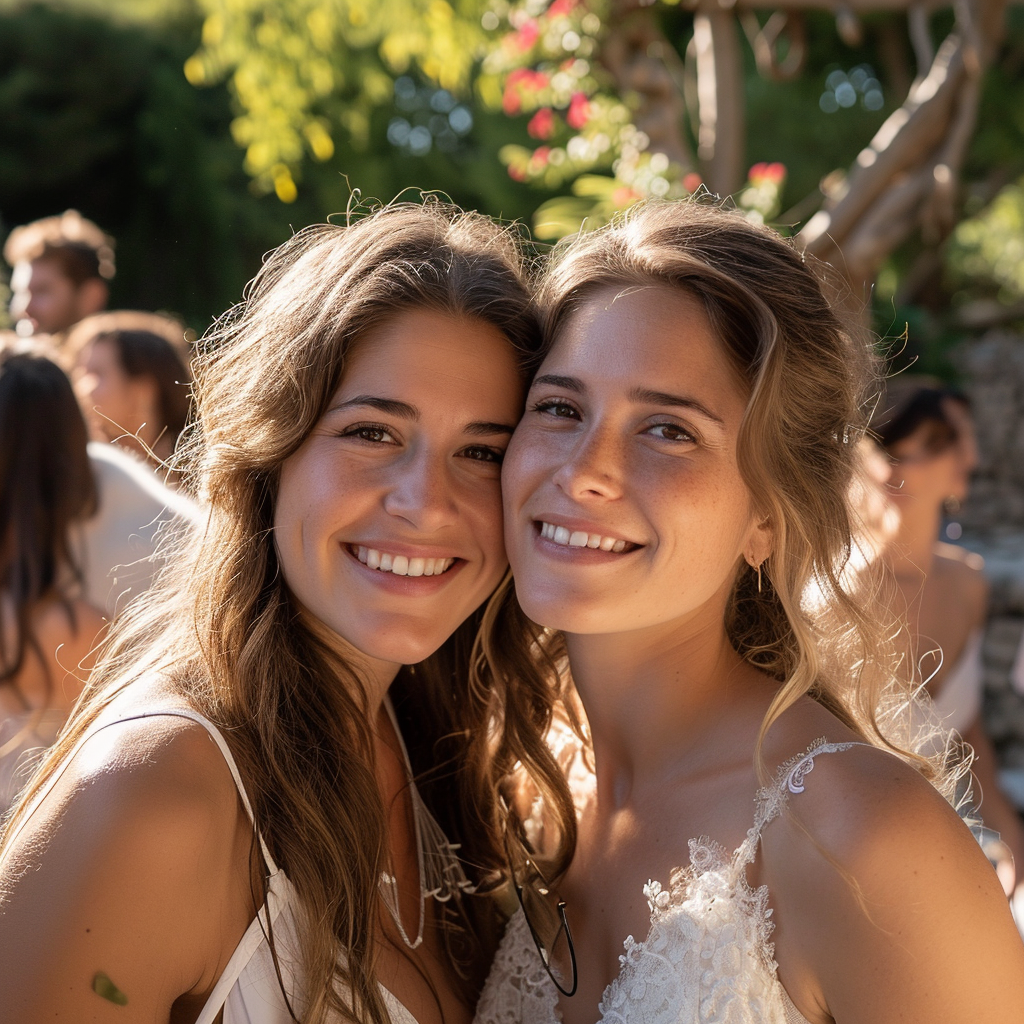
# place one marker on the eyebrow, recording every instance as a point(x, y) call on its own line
point(639, 395)
point(393, 407)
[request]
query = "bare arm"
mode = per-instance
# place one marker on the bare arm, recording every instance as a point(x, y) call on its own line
point(122, 895)
point(888, 911)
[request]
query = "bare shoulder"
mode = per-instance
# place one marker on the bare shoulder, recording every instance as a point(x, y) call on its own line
point(131, 860)
point(916, 923)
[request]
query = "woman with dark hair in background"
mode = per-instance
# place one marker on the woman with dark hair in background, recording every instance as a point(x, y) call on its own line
point(132, 378)
point(926, 430)
point(46, 488)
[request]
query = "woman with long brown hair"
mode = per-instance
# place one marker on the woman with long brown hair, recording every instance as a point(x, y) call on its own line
point(678, 525)
point(47, 631)
point(229, 823)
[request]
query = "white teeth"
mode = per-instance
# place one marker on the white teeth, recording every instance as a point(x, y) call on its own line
point(401, 565)
point(580, 539)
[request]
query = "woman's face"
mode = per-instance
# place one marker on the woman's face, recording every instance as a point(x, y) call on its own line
point(114, 404)
point(921, 476)
point(624, 503)
point(388, 518)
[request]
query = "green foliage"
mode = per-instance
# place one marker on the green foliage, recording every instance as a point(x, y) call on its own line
point(300, 68)
point(987, 250)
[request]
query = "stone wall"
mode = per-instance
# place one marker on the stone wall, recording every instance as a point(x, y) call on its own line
point(993, 523)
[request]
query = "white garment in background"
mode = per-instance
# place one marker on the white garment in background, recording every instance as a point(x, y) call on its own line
point(114, 549)
point(249, 990)
point(958, 702)
point(708, 956)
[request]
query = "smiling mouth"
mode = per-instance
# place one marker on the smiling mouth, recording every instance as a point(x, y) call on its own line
point(565, 537)
point(402, 565)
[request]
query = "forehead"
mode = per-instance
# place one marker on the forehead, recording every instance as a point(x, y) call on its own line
point(424, 351)
point(652, 335)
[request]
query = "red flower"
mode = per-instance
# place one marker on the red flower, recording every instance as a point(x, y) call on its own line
point(542, 124)
point(527, 35)
point(623, 197)
point(517, 173)
point(560, 7)
point(510, 100)
point(772, 174)
point(579, 111)
point(540, 157)
point(692, 182)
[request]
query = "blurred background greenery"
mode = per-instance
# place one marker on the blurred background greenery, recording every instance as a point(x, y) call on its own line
point(200, 143)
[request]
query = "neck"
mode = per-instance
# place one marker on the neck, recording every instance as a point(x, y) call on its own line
point(654, 698)
point(910, 553)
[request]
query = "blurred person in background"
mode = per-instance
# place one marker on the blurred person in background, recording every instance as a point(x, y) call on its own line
point(60, 269)
point(47, 628)
point(132, 379)
point(927, 431)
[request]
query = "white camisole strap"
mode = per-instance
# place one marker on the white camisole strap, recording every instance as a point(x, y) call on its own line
point(278, 888)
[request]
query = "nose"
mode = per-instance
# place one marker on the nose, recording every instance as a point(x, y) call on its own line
point(593, 468)
point(423, 492)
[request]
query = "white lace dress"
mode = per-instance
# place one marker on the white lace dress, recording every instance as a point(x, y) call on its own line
point(708, 957)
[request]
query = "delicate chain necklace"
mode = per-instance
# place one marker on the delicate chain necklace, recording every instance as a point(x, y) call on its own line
point(440, 871)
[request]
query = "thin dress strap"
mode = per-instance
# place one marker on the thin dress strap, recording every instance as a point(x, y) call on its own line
point(188, 713)
point(278, 887)
point(789, 778)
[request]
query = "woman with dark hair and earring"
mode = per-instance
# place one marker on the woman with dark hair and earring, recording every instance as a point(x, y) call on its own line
point(47, 632)
point(228, 828)
point(754, 841)
point(927, 432)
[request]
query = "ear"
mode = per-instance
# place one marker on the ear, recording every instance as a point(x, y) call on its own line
point(760, 542)
point(92, 297)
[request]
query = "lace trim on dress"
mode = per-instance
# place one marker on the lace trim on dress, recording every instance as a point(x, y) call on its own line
point(708, 955)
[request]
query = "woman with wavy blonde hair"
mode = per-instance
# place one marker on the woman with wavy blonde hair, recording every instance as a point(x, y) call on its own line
point(228, 828)
point(678, 524)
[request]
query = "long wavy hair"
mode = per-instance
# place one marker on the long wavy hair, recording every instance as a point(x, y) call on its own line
point(813, 626)
point(222, 627)
point(46, 487)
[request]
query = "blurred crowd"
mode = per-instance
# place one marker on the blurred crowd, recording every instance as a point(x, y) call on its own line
point(91, 406)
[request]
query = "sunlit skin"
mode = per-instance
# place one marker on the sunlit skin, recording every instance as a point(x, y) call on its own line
point(406, 460)
point(114, 403)
point(630, 439)
point(49, 299)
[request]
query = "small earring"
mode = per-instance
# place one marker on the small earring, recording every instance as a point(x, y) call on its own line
point(951, 505)
point(759, 577)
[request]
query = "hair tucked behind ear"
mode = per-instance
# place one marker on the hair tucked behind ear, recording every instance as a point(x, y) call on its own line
point(813, 624)
point(221, 625)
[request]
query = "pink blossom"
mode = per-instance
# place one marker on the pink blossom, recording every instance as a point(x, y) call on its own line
point(527, 35)
point(542, 124)
point(579, 111)
point(692, 182)
point(560, 7)
point(540, 157)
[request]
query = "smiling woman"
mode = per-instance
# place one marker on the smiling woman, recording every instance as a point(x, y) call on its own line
point(676, 494)
point(230, 825)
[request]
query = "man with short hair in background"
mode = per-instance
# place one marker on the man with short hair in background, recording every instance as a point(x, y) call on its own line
point(61, 266)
